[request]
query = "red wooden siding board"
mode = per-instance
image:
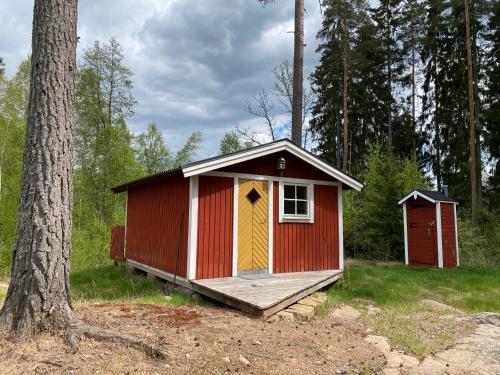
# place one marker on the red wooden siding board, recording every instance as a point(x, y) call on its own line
point(215, 227)
point(153, 220)
point(266, 165)
point(117, 242)
point(422, 247)
point(448, 235)
point(299, 247)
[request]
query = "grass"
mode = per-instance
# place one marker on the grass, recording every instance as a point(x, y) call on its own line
point(398, 290)
point(393, 285)
point(112, 284)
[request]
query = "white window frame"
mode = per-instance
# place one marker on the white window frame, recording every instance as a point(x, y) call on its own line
point(309, 218)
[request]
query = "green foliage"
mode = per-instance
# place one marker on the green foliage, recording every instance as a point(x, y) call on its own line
point(151, 151)
point(373, 218)
point(186, 153)
point(230, 143)
point(479, 246)
point(103, 143)
point(13, 104)
point(153, 154)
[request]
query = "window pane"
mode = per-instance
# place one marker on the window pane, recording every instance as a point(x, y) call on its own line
point(301, 192)
point(289, 207)
point(301, 207)
point(290, 191)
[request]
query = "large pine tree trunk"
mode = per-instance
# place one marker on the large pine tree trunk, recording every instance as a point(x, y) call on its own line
point(298, 73)
point(472, 123)
point(39, 296)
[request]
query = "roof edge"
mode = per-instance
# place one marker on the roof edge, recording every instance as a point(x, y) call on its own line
point(421, 194)
point(253, 153)
point(155, 177)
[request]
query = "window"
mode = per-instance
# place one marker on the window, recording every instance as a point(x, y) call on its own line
point(296, 202)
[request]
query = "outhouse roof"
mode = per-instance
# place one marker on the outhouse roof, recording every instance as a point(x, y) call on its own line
point(430, 195)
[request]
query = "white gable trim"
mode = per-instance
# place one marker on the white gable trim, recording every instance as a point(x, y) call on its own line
point(416, 194)
point(222, 162)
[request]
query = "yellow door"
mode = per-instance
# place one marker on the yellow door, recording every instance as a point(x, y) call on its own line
point(252, 225)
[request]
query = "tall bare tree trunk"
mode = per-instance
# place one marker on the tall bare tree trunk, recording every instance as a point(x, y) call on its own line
point(472, 123)
point(413, 95)
point(298, 73)
point(39, 296)
point(345, 97)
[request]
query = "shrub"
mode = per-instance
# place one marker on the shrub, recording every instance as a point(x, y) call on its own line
point(479, 245)
point(373, 218)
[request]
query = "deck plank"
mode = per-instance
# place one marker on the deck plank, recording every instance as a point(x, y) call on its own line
point(265, 296)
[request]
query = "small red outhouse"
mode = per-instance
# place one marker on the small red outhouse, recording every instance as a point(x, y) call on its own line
point(430, 229)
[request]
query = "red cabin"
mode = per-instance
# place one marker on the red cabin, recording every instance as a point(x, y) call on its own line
point(270, 210)
point(430, 229)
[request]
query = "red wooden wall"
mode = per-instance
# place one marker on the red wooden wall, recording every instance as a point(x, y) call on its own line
point(448, 235)
point(422, 234)
point(153, 223)
point(117, 242)
point(266, 165)
point(215, 227)
point(308, 247)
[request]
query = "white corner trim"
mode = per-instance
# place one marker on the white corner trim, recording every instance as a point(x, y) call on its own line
point(341, 227)
point(405, 230)
point(439, 235)
point(193, 227)
point(456, 235)
point(310, 202)
point(271, 225)
point(126, 228)
point(236, 190)
point(250, 154)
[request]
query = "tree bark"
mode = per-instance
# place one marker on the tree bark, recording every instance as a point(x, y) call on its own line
point(38, 297)
point(345, 97)
point(298, 73)
point(472, 123)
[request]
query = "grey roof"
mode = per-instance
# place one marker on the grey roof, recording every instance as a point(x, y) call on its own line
point(437, 196)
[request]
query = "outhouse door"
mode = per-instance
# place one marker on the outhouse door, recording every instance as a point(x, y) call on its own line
point(253, 226)
point(422, 235)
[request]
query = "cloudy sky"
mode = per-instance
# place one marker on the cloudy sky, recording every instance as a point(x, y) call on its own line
point(196, 63)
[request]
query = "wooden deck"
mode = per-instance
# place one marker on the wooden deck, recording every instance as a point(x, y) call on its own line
point(266, 296)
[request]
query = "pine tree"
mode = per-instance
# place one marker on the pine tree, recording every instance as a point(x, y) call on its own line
point(366, 97)
point(491, 110)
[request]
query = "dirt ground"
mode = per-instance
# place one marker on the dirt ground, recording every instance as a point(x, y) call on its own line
point(200, 340)
point(210, 340)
